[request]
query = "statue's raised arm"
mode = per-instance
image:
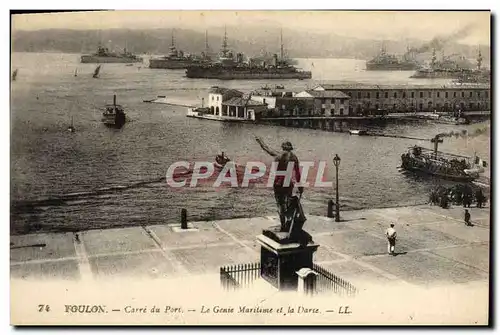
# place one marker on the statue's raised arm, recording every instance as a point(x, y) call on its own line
point(266, 148)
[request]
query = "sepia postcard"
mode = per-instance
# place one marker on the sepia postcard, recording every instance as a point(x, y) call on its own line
point(250, 168)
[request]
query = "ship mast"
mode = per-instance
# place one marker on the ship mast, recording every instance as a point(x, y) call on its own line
point(224, 44)
point(436, 140)
point(433, 59)
point(479, 59)
point(281, 45)
point(206, 43)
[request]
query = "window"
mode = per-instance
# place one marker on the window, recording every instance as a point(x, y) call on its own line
point(213, 98)
point(386, 95)
point(377, 95)
point(421, 94)
point(430, 94)
point(394, 106)
point(395, 95)
point(217, 98)
point(368, 95)
point(463, 94)
point(323, 110)
point(359, 95)
point(264, 100)
point(454, 94)
point(413, 94)
point(479, 94)
point(470, 94)
point(446, 94)
point(471, 105)
point(349, 94)
point(404, 95)
point(342, 111)
point(342, 101)
point(332, 111)
point(437, 94)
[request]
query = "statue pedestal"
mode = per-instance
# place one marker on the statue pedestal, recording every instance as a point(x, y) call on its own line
point(280, 260)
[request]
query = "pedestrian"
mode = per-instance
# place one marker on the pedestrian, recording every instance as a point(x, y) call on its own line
point(282, 192)
point(480, 198)
point(467, 218)
point(391, 235)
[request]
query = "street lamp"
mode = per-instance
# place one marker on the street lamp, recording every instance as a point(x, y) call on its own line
point(336, 162)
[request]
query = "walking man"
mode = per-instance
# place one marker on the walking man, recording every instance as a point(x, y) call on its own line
point(391, 235)
point(282, 192)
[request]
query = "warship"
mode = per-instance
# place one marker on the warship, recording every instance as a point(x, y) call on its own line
point(451, 69)
point(103, 55)
point(176, 58)
point(228, 68)
point(389, 62)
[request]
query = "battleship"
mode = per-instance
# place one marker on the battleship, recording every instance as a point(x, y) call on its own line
point(103, 55)
point(451, 69)
point(228, 68)
point(177, 60)
point(389, 62)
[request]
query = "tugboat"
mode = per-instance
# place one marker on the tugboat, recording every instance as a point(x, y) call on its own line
point(221, 160)
point(444, 165)
point(114, 115)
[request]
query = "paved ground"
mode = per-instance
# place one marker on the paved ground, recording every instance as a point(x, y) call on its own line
point(434, 245)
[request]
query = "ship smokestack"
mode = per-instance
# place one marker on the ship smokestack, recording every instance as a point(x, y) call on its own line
point(114, 99)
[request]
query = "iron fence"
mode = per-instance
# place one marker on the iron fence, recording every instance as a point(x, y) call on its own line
point(327, 281)
point(239, 276)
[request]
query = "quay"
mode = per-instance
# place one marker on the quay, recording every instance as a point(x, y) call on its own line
point(336, 107)
point(434, 248)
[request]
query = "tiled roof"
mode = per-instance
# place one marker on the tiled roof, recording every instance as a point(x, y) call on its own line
point(237, 101)
point(360, 86)
point(224, 91)
point(328, 94)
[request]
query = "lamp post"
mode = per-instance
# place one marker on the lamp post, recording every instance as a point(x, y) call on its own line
point(336, 162)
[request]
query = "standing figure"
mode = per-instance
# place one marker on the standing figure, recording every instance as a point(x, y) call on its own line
point(480, 198)
point(282, 191)
point(467, 218)
point(391, 235)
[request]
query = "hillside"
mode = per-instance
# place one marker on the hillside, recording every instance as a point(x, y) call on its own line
point(250, 41)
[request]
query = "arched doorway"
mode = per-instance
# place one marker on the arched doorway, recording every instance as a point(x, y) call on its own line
point(212, 109)
point(217, 110)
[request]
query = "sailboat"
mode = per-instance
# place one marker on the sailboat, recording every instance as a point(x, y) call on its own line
point(14, 75)
point(71, 128)
point(96, 72)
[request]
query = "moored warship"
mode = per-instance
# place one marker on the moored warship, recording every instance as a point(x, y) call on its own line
point(228, 68)
point(176, 58)
point(389, 62)
point(450, 69)
point(103, 55)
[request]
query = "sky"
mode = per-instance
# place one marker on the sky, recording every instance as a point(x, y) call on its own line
point(375, 25)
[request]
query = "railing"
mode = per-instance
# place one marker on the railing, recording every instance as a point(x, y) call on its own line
point(327, 281)
point(237, 276)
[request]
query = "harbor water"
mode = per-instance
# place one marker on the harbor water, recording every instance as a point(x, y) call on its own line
point(97, 174)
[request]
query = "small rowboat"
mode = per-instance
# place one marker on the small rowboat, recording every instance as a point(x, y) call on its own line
point(358, 132)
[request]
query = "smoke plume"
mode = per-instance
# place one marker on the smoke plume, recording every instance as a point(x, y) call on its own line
point(439, 42)
point(464, 133)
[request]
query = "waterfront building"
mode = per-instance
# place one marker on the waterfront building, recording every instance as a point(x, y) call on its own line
point(326, 102)
point(226, 104)
point(413, 98)
point(244, 108)
point(217, 95)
